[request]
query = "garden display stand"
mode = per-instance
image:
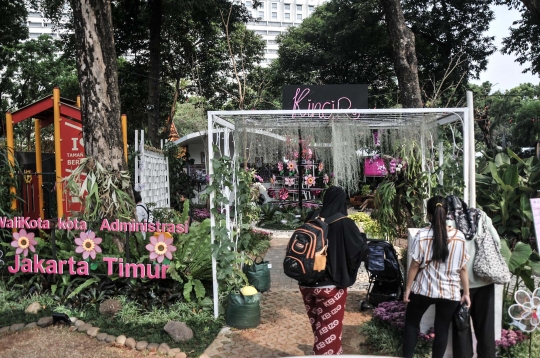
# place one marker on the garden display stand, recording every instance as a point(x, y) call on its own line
point(338, 136)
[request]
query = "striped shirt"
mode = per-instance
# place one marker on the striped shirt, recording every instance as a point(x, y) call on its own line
point(438, 279)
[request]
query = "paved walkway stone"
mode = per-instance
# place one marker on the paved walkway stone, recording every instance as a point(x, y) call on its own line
point(285, 329)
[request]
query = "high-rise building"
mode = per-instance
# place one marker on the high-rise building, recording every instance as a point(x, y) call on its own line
point(270, 19)
point(38, 25)
point(273, 18)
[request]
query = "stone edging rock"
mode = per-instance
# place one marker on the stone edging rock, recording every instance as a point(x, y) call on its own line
point(120, 341)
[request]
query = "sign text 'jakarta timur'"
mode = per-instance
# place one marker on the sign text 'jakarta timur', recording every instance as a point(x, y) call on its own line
point(160, 247)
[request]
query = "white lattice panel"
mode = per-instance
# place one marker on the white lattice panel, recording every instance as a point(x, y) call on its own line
point(152, 175)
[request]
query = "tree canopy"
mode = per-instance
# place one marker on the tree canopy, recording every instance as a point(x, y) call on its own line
point(345, 41)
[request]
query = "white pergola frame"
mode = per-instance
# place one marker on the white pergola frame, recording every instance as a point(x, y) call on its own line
point(222, 124)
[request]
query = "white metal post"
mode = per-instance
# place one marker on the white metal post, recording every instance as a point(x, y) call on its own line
point(227, 190)
point(472, 157)
point(441, 162)
point(141, 172)
point(212, 217)
point(466, 156)
point(136, 158)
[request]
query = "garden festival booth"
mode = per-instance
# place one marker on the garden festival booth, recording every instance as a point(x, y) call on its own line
point(340, 141)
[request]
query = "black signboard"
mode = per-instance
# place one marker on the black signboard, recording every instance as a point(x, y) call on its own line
point(298, 97)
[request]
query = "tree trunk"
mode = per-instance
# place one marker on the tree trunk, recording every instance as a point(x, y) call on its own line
point(154, 72)
point(533, 6)
point(404, 52)
point(98, 80)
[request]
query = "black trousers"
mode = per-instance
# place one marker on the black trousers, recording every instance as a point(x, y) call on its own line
point(483, 317)
point(444, 311)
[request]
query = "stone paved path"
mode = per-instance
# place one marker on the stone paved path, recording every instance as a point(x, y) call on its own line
point(284, 329)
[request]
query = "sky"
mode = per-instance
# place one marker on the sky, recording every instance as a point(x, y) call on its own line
point(501, 69)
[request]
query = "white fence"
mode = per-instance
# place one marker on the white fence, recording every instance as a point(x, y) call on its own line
point(152, 174)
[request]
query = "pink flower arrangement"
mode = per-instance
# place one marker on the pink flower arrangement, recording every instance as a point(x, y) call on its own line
point(23, 241)
point(161, 247)
point(259, 178)
point(283, 194)
point(325, 179)
point(321, 166)
point(309, 180)
point(88, 244)
point(280, 166)
point(289, 181)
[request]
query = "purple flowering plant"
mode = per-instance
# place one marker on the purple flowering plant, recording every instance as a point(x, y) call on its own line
point(201, 214)
point(392, 312)
point(510, 338)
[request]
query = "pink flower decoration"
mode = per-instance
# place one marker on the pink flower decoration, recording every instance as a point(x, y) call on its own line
point(326, 179)
point(160, 247)
point(309, 180)
point(291, 165)
point(283, 194)
point(321, 166)
point(23, 241)
point(88, 244)
point(289, 181)
point(280, 166)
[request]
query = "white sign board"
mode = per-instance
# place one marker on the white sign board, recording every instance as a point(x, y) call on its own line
point(535, 207)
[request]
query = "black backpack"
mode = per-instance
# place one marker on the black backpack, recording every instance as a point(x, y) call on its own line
point(305, 256)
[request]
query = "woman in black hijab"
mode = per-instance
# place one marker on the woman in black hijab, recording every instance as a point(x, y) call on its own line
point(325, 300)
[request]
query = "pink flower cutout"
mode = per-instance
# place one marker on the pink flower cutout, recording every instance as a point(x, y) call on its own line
point(289, 181)
point(23, 241)
point(291, 165)
point(309, 180)
point(88, 244)
point(160, 247)
point(280, 166)
point(321, 166)
point(283, 194)
point(326, 179)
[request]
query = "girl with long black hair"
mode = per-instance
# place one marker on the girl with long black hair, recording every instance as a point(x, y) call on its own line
point(438, 265)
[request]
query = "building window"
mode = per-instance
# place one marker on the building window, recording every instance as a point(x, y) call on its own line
point(287, 16)
point(274, 6)
point(298, 16)
point(311, 8)
point(262, 5)
point(287, 7)
point(274, 16)
point(298, 7)
point(261, 14)
point(248, 4)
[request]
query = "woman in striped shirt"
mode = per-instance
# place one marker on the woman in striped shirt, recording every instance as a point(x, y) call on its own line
point(438, 265)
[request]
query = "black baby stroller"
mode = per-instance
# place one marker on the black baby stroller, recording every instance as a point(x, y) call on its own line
point(385, 277)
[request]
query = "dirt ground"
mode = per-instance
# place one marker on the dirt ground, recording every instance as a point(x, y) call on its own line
point(58, 342)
